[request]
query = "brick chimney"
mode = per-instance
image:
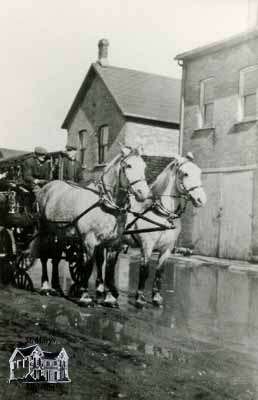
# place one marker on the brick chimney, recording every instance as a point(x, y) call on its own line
point(252, 14)
point(103, 52)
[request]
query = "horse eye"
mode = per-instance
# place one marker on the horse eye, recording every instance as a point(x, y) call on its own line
point(186, 174)
point(128, 166)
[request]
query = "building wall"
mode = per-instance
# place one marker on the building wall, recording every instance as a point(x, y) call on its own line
point(154, 139)
point(232, 143)
point(97, 109)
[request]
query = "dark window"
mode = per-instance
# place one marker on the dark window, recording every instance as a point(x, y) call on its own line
point(82, 145)
point(103, 143)
point(207, 102)
point(248, 89)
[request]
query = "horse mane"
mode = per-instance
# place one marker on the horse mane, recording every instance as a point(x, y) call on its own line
point(117, 158)
point(161, 182)
point(112, 163)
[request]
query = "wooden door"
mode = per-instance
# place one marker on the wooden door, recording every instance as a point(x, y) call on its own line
point(236, 220)
point(205, 236)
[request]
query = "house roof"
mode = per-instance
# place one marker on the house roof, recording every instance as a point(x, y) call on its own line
point(154, 166)
point(26, 351)
point(215, 46)
point(136, 93)
point(51, 355)
point(8, 153)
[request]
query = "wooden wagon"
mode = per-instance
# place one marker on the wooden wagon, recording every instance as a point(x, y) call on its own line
point(19, 222)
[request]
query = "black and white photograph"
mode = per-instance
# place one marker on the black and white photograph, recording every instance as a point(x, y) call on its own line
point(129, 200)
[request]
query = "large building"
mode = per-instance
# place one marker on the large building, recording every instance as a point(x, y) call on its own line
point(219, 111)
point(118, 105)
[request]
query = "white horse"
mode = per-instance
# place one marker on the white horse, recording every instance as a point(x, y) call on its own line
point(179, 182)
point(93, 220)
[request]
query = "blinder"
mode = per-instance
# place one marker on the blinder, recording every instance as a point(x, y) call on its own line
point(180, 181)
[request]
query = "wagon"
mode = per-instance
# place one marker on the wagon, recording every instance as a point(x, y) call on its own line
point(19, 226)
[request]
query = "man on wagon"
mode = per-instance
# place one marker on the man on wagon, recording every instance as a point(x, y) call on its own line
point(36, 170)
point(72, 169)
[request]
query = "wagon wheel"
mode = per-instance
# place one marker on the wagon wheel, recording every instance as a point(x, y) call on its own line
point(77, 271)
point(7, 250)
point(75, 258)
point(75, 291)
point(21, 280)
point(25, 261)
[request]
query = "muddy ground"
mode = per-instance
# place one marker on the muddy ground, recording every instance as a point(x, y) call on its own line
point(185, 350)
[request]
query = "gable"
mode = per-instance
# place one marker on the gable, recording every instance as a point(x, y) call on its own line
point(135, 94)
point(16, 356)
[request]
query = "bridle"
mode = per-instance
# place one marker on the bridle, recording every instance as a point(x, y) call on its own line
point(129, 189)
point(158, 207)
point(184, 194)
point(183, 191)
point(130, 185)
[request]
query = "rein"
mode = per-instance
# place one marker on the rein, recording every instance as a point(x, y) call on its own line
point(106, 199)
point(158, 208)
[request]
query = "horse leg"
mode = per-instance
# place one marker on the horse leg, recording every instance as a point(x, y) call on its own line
point(111, 290)
point(55, 282)
point(143, 276)
point(90, 245)
point(157, 299)
point(99, 258)
point(45, 287)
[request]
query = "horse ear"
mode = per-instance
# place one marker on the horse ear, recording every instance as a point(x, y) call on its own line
point(139, 150)
point(190, 156)
point(125, 151)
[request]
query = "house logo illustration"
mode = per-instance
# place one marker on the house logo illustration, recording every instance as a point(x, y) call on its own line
point(33, 365)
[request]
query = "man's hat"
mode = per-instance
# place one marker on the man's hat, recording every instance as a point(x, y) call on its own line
point(40, 151)
point(70, 147)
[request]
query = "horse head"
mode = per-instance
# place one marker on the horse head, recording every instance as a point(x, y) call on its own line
point(132, 173)
point(188, 180)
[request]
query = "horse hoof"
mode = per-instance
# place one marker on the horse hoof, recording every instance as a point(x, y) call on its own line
point(140, 301)
point(157, 300)
point(56, 292)
point(110, 301)
point(44, 292)
point(86, 300)
point(100, 290)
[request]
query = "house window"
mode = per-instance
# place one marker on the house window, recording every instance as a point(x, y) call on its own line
point(103, 143)
point(207, 102)
point(248, 92)
point(82, 145)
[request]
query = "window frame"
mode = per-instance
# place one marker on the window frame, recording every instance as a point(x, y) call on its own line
point(204, 124)
point(242, 96)
point(102, 147)
point(82, 145)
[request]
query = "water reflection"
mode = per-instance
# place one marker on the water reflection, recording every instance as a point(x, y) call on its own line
point(212, 305)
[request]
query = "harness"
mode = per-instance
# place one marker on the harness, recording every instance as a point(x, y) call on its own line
point(106, 200)
point(158, 208)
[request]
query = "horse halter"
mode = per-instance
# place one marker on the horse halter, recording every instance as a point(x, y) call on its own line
point(180, 181)
point(129, 189)
point(123, 167)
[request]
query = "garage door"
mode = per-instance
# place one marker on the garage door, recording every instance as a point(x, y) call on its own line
point(224, 226)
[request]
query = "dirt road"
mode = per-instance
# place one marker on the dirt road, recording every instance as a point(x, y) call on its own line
point(182, 351)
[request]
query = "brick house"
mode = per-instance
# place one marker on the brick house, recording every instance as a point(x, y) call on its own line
point(118, 105)
point(219, 111)
point(32, 364)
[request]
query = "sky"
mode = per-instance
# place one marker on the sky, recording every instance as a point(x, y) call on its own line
point(47, 47)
